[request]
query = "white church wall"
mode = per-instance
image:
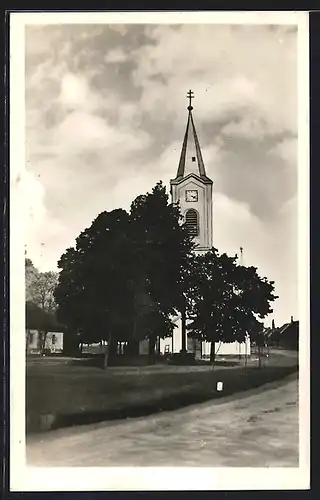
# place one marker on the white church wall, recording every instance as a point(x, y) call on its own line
point(221, 348)
point(206, 348)
point(176, 344)
point(233, 348)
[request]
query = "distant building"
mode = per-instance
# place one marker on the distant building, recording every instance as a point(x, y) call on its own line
point(286, 336)
point(38, 320)
point(53, 342)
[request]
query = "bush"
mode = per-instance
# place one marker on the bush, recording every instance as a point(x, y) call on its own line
point(182, 358)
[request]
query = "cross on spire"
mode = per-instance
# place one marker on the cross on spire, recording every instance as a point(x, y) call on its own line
point(190, 96)
point(191, 157)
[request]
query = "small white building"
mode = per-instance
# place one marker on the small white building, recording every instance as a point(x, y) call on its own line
point(53, 342)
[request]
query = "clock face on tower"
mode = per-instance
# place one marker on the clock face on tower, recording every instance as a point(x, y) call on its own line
point(191, 195)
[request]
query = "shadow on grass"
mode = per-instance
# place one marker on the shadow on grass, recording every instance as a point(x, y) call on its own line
point(97, 362)
point(194, 394)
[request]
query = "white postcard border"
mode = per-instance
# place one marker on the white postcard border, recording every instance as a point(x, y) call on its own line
point(23, 478)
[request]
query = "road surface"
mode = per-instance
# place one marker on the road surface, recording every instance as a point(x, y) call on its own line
point(257, 429)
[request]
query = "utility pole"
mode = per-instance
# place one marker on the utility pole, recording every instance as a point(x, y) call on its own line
point(183, 331)
point(241, 256)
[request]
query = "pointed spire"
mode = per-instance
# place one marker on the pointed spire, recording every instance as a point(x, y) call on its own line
point(191, 160)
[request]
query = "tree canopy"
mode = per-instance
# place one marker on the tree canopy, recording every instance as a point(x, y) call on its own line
point(225, 300)
point(162, 248)
point(39, 319)
point(123, 277)
point(40, 287)
point(94, 281)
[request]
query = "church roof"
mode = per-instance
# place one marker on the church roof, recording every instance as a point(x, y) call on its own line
point(191, 160)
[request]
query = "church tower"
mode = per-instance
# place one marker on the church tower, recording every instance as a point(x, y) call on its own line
point(192, 188)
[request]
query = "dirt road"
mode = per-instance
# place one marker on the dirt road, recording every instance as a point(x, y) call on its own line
point(258, 429)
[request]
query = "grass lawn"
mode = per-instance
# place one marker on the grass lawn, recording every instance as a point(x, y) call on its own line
point(61, 393)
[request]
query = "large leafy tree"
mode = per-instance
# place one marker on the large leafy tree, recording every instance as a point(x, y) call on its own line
point(40, 301)
point(31, 274)
point(163, 250)
point(225, 300)
point(122, 281)
point(94, 293)
point(42, 290)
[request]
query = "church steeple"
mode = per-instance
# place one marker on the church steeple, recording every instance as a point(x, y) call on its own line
point(192, 189)
point(191, 160)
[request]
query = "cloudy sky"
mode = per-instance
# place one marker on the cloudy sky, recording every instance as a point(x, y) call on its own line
point(105, 119)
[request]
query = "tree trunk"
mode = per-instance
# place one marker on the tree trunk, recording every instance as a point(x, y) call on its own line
point(39, 341)
point(113, 348)
point(212, 354)
point(42, 339)
point(27, 340)
point(246, 357)
point(133, 348)
point(259, 355)
point(158, 346)
point(71, 343)
point(151, 347)
point(183, 331)
point(107, 352)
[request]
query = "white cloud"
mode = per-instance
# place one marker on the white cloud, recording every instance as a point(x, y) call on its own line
point(43, 232)
point(271, 249)
point(235, 226)
point(33, 195)
point(287, 150)
point(228, 70)
point(81, 131)
point(115, 56)
point(41, 39)
point(74, 92)
point(249, 127)
point(119, 28)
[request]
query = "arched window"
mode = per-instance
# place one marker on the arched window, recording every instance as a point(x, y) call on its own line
point(192, 222)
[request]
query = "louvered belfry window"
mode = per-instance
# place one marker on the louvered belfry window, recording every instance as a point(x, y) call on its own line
point(192, 222)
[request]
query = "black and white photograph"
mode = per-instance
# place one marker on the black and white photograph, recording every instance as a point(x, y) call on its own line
point(159, 251)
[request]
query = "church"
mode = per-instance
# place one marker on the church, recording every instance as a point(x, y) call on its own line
point(193, 189)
